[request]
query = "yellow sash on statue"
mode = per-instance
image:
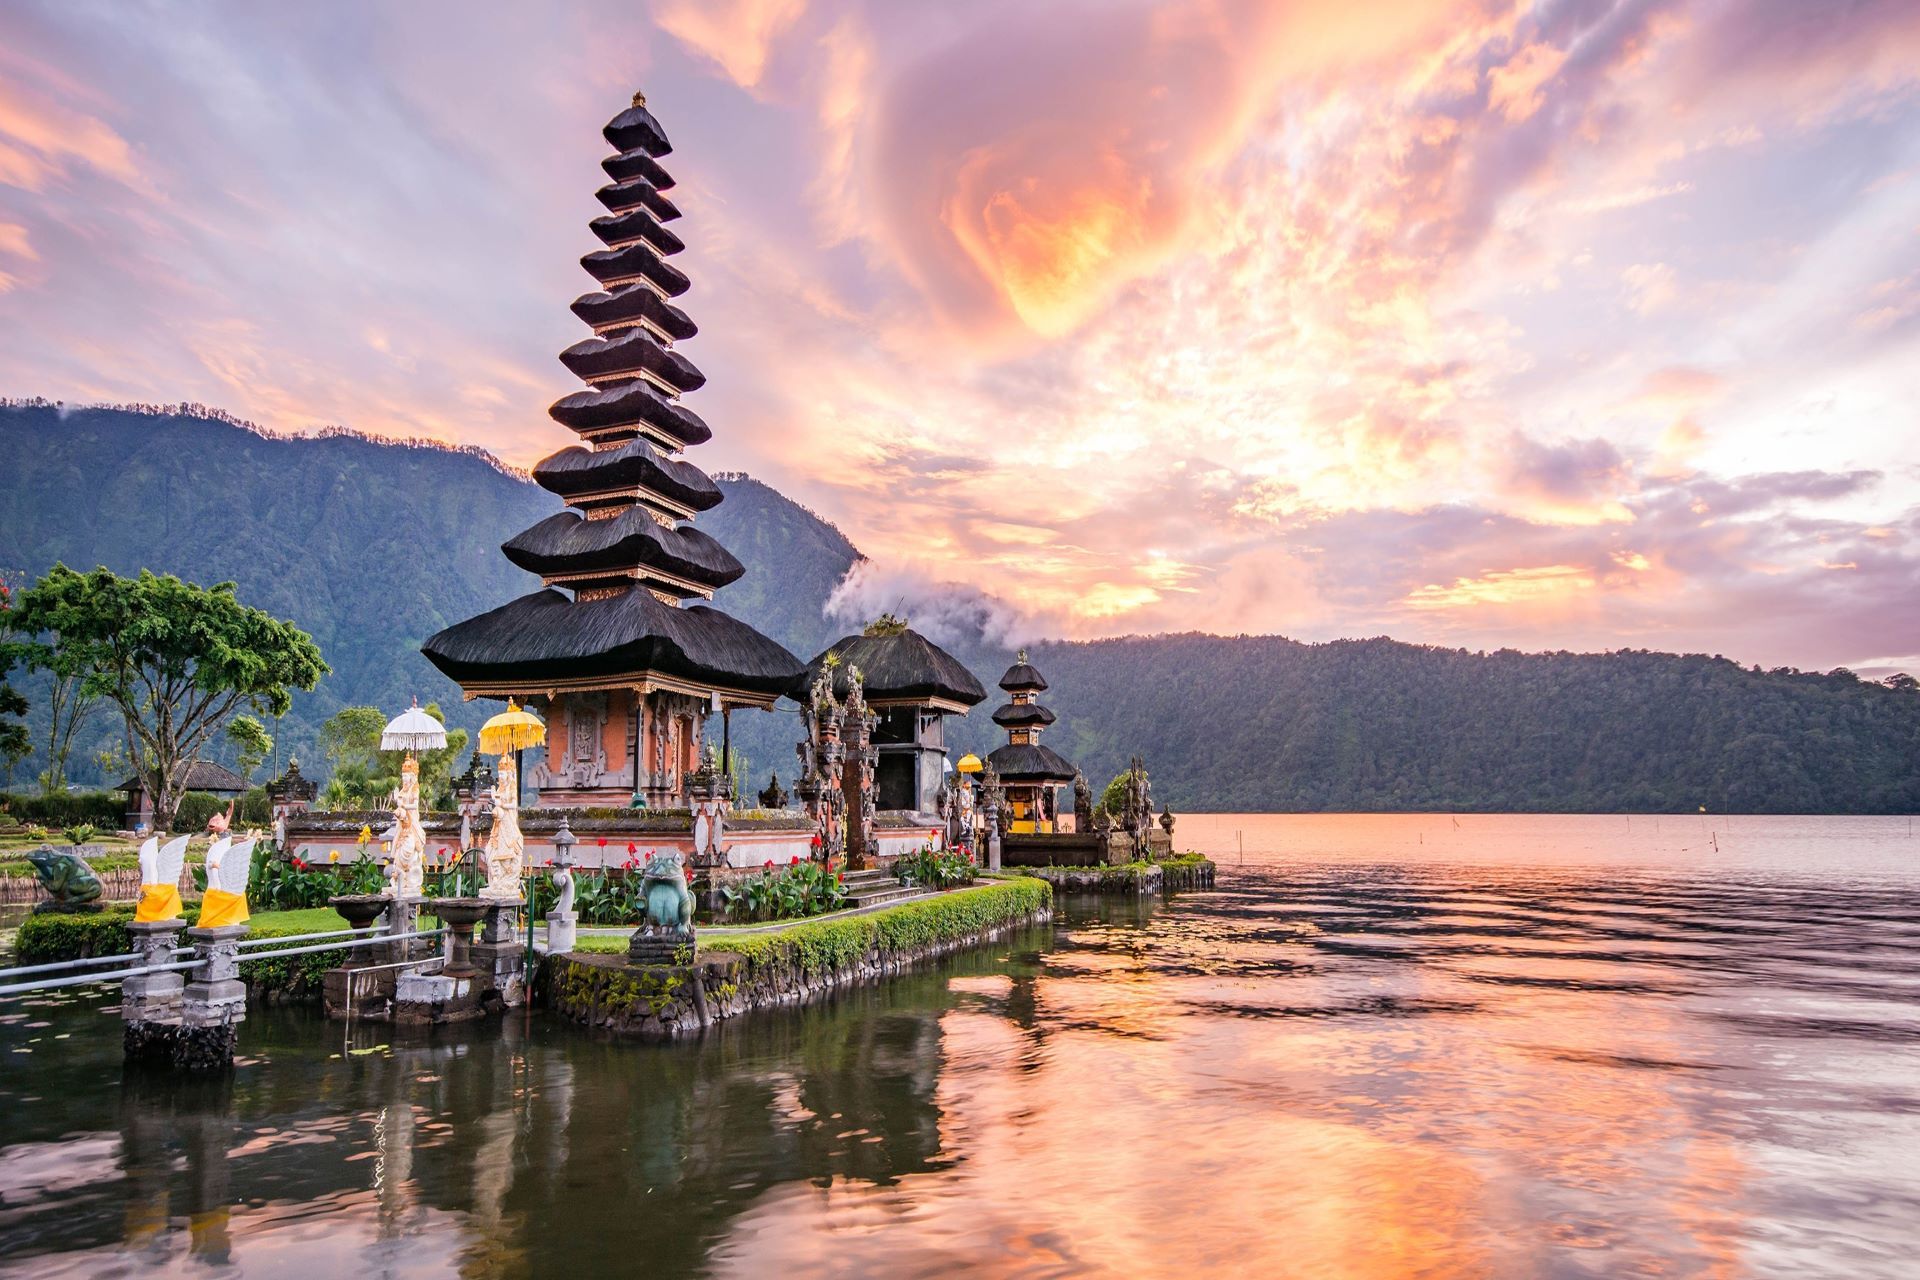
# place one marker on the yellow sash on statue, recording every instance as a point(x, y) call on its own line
point(221, 908)
point(157, 902)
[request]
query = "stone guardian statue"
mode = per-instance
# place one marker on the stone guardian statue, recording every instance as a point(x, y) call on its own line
point(407, 868)
point(506, 849)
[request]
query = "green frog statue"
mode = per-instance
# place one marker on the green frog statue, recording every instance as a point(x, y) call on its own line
point(666, 935)
point(68, 880)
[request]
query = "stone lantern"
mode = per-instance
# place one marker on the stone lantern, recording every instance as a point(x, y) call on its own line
point(562, 923)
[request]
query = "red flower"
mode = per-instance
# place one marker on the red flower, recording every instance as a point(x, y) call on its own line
point(632, 848)
point(769, 865)
point(796, 859)
point(601, 841)
point(816, 839)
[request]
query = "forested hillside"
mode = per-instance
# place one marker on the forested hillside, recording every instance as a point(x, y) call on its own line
point(368, 545)
point(1260, 722)
point(372, 546)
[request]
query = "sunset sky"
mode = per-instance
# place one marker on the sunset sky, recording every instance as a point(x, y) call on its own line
point(1587, 324)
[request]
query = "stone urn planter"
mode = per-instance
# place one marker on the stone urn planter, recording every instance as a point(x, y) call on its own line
point(360, 910)
point(459, 915)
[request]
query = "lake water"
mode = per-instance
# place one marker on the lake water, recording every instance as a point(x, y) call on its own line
point(1385, 1046)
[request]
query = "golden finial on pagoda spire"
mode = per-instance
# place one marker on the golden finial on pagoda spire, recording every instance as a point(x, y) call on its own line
point(639, 98)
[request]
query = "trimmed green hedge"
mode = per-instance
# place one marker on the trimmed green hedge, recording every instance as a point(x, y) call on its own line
point(821, 945)
point(46, 938)
point(103, 809)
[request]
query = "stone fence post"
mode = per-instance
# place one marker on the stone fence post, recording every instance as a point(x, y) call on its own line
point(150, 1003)
point(214, 1003)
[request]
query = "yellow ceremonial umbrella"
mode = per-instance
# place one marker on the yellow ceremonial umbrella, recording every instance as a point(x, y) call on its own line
point(511, 730)
point(969, 763)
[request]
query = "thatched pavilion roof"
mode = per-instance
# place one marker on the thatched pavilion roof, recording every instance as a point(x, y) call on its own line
point(902, 666)
point(546, 637)
point(1029, 762)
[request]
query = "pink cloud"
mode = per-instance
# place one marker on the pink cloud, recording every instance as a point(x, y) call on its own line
point(1113, 318)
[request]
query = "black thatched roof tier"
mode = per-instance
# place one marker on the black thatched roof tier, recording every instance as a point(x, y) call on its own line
point(628, 353)
point(632, 304)
point(636, 262)
point(579, 470)
point(637, 164)
point(1029, 762)
point(1018, 715)
point(546, 638)
point(902, 666)
point(568, 543)
point(1022, 677)
point(638, 193)
point(637, 223)
point(628, 405)
point(635, 129)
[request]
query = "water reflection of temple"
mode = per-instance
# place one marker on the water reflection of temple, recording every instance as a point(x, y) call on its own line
point(494, 1148)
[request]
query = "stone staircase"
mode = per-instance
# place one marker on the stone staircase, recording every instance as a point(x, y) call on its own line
point(871, 888)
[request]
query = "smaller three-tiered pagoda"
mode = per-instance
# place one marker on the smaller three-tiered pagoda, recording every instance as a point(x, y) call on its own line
point(1032, 774)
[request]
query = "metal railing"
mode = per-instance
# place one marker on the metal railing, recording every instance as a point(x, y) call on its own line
point(81, 980)
point(22, 970)
point(307, 937)
point(344, 942)
point(342, 946)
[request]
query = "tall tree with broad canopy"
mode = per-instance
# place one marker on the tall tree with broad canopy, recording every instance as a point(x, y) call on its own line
point(177, 660)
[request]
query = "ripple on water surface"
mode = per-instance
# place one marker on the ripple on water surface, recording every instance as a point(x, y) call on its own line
point(1428, 1060)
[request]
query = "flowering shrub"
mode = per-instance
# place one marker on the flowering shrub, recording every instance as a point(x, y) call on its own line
point(802, 888)
point(292, 883)
point(932, 868)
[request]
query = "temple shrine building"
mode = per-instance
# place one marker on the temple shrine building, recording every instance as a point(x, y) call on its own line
point(619, 650)
point(1032, 774)
point(911, 685)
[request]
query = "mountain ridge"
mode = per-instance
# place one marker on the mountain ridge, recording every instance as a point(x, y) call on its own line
point(372, 545)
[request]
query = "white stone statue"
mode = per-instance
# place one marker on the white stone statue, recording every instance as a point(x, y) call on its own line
point(406, 868)
point(506, 849)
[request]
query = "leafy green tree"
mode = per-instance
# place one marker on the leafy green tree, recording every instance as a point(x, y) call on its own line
point(252, 743)
point(364, 776)
point(1114, 798)
point(177, 660)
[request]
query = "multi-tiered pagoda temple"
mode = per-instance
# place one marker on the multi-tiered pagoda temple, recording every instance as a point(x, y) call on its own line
point(624, 668)
point(1031, 773)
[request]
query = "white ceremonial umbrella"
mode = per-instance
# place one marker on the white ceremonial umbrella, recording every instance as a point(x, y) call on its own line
point(413, 730)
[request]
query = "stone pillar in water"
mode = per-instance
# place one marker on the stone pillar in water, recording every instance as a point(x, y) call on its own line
point(150, 1004)
point(214, 1003)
